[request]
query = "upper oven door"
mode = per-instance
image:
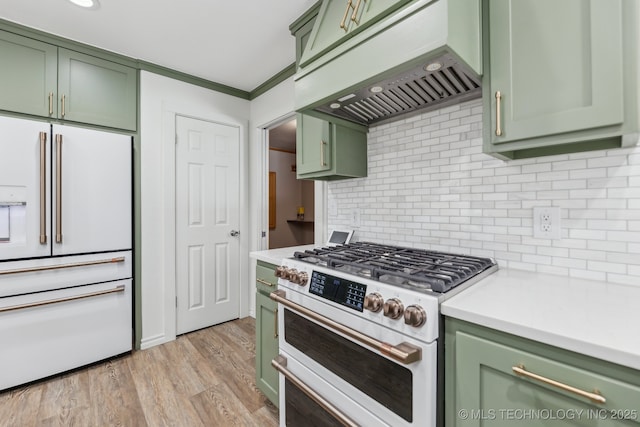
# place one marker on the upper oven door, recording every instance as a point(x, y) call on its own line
point(391, 375)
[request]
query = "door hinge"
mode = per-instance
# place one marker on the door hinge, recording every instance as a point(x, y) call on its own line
point(264, 234)
point(176, 302)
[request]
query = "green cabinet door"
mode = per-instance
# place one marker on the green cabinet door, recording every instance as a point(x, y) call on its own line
point(92, 90)
point(266, 346)
point(28, 75)
point(266, 331)
point(497, 379)
point(553, 68)
point(340, 19)
point(328, 151)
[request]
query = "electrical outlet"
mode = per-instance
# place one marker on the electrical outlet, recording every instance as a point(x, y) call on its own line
point(546, 222)
point(354, 220)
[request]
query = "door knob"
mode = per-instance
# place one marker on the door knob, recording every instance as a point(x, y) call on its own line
point(234, 233)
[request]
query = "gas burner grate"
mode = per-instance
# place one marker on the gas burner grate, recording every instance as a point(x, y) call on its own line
point(416, 269)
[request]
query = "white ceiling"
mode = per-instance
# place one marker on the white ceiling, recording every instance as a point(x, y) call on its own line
point(238, 43)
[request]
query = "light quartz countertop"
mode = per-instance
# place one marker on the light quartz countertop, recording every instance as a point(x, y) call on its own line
point(275, 256)
point(598, 319)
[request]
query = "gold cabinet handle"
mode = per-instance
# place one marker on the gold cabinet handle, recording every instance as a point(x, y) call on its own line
point(498, 125)
point(594, 397)
point(275, 325)
point(264, 282)
point(343, 23)
point(62, 266)
point(59, 188)
point(280, 365)
point(51, 103)
point(64, 299)
point(323, 162)
point(43, 189)
point(404, 352)
point(355, 13)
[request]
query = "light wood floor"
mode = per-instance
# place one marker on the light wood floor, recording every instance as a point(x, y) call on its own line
point(204, 378)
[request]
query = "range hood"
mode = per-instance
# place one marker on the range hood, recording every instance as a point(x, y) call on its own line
point(425, 56)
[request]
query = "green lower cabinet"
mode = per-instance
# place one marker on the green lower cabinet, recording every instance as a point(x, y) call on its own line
point(559, 76)
point(329, 151)
point(496, 379)
point(266, 331)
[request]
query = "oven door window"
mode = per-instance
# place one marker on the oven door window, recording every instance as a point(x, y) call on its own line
point(383, 380)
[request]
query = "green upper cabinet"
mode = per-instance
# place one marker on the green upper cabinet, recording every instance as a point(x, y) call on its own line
point(28, 75)
point(329, 151)
point(499, 379)
point(340, 19)
point(41, 79)
point(559, 76)
point(96, 91)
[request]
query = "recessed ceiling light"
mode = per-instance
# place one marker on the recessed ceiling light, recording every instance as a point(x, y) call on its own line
point(376, 89)
point(433, 66)
point(86, 4)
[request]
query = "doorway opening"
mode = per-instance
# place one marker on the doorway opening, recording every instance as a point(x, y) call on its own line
point(291, 200)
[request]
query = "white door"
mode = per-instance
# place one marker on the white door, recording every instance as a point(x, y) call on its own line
point(91, 183)
point(24, 189)
point(207, 221)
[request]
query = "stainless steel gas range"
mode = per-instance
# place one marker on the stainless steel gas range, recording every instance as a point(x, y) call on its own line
point(360, 333)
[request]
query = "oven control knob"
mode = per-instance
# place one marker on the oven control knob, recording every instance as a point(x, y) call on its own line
point(393, 308)
point(373, 302)
point(298, 277)
point(414, 315)
point(281, 271)
point(292, 273)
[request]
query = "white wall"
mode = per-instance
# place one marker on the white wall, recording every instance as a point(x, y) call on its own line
point(161, 99)
point(429, 185)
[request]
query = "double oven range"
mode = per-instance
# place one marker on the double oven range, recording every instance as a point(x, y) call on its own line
point(360, 333)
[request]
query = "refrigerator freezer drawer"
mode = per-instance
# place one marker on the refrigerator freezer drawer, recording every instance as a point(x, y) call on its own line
point(23, 277)
point(51, 332)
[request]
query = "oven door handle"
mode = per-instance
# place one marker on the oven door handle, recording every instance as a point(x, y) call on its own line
point(280, 364)
point(404, 352)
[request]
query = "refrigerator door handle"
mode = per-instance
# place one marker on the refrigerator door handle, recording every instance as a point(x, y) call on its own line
point(58, 188)
point(43, 188)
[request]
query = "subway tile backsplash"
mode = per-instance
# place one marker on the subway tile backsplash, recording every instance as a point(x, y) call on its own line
point(429, 185)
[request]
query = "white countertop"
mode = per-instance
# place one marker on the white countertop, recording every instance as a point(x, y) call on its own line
point(275, 256)
point(598, 319)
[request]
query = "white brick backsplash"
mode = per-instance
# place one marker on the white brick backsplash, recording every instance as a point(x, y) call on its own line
point(430, 186)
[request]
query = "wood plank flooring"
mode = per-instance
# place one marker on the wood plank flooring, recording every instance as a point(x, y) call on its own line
point(204, 378)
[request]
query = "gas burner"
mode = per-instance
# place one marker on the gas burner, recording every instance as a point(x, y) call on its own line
point(417, 269)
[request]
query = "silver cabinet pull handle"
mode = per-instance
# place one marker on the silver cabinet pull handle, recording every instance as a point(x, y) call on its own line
point(61, 266)
point(43, 189)
point(264, 282)
point(280, 365)
point(594, 397)
point(63, 299)
point(58, 188)
point(64, 98)
point(498, 109)
point(404, 352)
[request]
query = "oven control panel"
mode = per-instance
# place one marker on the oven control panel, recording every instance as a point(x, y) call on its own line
point(337, 289)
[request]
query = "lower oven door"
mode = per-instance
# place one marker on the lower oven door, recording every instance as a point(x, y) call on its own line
point(337, 354)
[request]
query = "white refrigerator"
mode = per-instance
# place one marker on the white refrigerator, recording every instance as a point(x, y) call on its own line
point(65, 248)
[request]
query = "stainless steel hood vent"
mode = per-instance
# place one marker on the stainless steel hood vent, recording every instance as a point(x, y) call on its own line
point(411, 92)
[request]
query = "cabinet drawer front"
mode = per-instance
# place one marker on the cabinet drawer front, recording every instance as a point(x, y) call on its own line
point(266, 281)
point(38, 275)
point(486, 381)
point(52, 337)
